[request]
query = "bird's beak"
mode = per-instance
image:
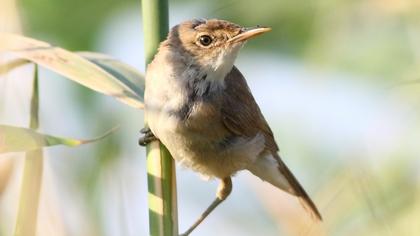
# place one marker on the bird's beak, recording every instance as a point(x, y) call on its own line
point(249, 33)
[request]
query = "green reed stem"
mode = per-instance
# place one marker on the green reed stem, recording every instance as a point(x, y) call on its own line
point(161, 177)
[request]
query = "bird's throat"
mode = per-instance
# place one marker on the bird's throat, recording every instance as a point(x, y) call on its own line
point(222, 64)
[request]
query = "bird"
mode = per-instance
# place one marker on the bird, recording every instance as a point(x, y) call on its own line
point(199, 105)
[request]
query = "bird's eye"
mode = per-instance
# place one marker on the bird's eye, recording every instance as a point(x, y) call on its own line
point(205, 40)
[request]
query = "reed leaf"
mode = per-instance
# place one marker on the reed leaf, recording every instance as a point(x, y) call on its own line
point(74, 67)
point(18, 139)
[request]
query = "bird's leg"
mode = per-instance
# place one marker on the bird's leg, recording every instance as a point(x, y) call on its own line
point(147, 137)
point(223, 191)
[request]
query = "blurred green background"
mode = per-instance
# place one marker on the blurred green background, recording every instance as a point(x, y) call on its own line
point(337, 81)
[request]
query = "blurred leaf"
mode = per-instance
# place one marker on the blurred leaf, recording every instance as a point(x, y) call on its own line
point(6, 67)
point(32, 174)
point(17, 139)
point(34, 116)
point(124, 72)
point(30, 192)
point(73, 67)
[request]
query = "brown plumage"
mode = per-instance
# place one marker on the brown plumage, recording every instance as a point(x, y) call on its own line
point(242, 116)
point(199, 105)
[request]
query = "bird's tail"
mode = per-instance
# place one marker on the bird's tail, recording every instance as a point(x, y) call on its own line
point(272, 169)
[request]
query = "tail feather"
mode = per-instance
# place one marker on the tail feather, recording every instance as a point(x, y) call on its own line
point(304, 198)
point(268, 167)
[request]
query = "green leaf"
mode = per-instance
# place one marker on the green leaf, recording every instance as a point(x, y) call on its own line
point(123, 72)
point(18, 139)
point(75, 67)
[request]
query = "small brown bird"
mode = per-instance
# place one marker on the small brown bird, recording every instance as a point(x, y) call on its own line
point(200, 107)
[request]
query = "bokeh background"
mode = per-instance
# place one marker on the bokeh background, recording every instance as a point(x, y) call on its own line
point(337, 81)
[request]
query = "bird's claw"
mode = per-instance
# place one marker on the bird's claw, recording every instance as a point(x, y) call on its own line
point(145, 130)
point(147, 138)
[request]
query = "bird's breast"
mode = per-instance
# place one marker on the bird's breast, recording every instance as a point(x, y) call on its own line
point(185, 113)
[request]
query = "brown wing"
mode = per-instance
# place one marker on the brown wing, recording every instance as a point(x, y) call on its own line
point(242, 116)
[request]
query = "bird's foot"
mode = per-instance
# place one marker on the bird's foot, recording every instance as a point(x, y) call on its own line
point(223, 191)
point(147, 138)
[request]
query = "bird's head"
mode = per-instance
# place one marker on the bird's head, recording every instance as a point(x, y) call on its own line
point(211, 44)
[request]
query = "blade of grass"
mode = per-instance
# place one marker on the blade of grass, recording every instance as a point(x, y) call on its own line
point(161, 178)
point(71, 66)
point(30, 194)
point(32, 175)
point(18, 139)
point(124, 72)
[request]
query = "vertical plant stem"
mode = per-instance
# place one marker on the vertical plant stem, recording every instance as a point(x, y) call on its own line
point(161, 177)
point(32, 176)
